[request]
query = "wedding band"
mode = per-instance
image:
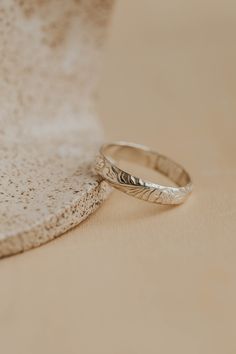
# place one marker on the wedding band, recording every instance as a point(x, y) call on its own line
point(107, 168)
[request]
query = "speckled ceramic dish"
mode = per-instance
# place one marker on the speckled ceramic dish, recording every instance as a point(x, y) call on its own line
point(50, 53)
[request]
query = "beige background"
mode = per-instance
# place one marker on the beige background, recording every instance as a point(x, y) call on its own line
point(136, 278)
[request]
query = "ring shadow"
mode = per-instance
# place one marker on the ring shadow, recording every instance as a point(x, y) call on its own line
point(131, 208)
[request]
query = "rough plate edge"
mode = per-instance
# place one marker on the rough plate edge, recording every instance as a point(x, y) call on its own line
point(69, 217)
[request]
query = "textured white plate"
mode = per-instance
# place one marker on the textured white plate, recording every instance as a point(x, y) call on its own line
point(50, 53)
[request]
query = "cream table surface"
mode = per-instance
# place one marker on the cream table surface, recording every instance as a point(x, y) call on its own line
point(138, 278)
